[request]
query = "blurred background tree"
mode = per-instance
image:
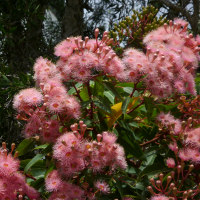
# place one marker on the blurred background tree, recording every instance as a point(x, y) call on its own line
point(31, 28)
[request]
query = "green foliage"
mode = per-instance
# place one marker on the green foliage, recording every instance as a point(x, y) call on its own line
point(10, 84)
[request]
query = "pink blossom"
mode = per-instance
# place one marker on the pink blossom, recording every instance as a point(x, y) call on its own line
point(65, 48)
point(102, 186)
point(11, 181)
point(67, 191)
point(183, 155)
point(173, 146)
point(159, 197)
point(109, 138)
point(26, 99)
point(170, 163)
point(193, 137)
point(169, 121)
point(53, 181)
point(45, 70)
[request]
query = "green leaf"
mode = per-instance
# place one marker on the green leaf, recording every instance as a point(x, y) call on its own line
point(105, 107)
point(125, 104)
point(149, 104)
point(33, 161)
point(84, 94)
point(128, 90)
point(43, 146)
point(25, 146)
point(151, 170)
point(126, 84)
point(110, 96)
point(134, 124)
point(6, 79)
point(120, 189)
point(150, 157)
point(72, 90)
point(110, 87)
point(98, 87)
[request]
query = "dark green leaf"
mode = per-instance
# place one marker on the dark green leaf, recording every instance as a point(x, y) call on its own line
point(25, 146)
point(125, 104)
point(102, 105)
point(110, 87)
point(34, 160)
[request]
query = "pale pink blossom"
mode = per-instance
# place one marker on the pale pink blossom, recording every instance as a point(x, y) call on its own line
point(26, 99)
point(170, 163)
point(159, 197)
point(102, 186)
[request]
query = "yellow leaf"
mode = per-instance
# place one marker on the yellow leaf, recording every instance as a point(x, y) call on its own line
point(117, 112)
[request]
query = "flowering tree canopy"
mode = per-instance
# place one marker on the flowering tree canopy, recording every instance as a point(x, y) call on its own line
point(99, 125)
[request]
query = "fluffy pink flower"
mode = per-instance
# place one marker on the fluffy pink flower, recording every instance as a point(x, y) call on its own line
point(33, 125)
point(194, 155)
point(11, 181)
point(73, 107)
point(68, 191)
point(183, 155)
point(173, 146)
point(181, 22)
point(179, 85)
point(109, 138)
point(102, 186)
point(67, 151)
point(75, 154)
point(169, 121)
point(27, 98)
point(107, 153)
point(8, 165)
point(49, 131)
point(44, 70)
point(53, 181)
point(170, 163)
point(136, 64)
point(65, 144)
point(159, 197)
point(65, 48)
point(79, 65)
point(193, 137)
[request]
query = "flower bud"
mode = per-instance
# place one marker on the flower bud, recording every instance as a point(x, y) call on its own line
point(150, 190)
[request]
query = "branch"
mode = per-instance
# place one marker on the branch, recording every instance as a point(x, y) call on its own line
point(178, 9)
point(153, 140)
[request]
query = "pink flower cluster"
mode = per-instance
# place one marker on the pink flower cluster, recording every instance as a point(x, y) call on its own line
point(81, 60)
point(186, 148)
point(169, 63)
point(12, 182)
point(75, 153)
point(62, 190)
point(193, 137)
point(170, 122)
point(191, 141)
point(37, 107)
point(189, 151)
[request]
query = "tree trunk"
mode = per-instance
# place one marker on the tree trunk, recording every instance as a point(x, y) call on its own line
point(73, 19)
